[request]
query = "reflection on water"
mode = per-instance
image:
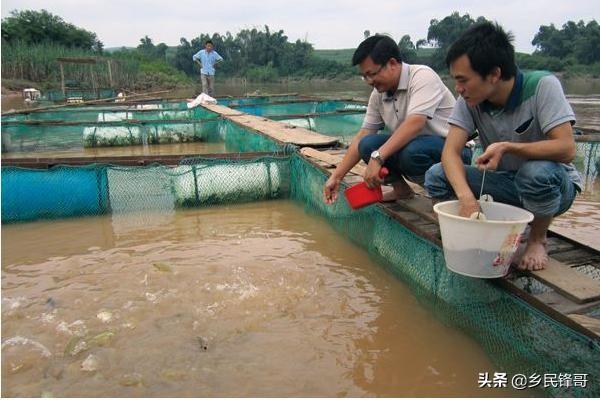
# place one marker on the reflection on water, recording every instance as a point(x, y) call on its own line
point(586, 111)
point(253, 300)
point(353, 88)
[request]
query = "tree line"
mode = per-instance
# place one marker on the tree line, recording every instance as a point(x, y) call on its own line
point(32, 38)
point(575, 44)
point(36, 27)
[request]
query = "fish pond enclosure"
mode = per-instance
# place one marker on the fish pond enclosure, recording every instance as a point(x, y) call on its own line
point(222, 272)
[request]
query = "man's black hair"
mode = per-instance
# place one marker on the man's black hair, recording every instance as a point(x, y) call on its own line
point(209, 42)
point(488, 46)
point(379, 47)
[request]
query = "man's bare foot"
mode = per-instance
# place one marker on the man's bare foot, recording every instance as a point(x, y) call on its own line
point(405, 194)
point(402, 190)
point(390, 195)
point(535, 257)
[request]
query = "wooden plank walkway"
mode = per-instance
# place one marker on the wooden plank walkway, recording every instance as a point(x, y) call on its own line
point(580, 223)
point(281, 132)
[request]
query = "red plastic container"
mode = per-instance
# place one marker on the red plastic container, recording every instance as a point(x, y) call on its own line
point(360, 195)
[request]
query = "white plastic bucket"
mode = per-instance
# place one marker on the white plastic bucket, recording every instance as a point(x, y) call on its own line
point(481, 248)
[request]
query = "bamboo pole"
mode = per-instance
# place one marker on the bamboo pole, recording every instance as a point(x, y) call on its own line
point(110, 78)
point(62, 79)
point(93, 79)
point(80, 104)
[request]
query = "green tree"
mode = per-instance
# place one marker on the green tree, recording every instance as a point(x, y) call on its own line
point(408, 51)
point(34, 27)
point(160, 51)
point(146, 47)
point(183, 57)
point(151, 51)
point(443, 33)
point(551, 42)
point(420, 43)
point(259, 54)
point(575, 39)
point(587, 46)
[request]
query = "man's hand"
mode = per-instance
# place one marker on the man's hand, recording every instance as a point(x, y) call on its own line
point(468, 206)
point(330, 189)
point(371, 176)
point(492, 156)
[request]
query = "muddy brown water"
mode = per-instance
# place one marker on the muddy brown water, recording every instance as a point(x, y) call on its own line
point(258, 299)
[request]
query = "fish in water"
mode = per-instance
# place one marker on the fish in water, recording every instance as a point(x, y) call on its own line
point(50, 303)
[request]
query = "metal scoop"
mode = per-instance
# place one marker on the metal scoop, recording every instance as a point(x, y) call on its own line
point(479, 214)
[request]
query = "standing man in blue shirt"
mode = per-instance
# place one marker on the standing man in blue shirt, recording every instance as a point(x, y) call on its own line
point(207, 58)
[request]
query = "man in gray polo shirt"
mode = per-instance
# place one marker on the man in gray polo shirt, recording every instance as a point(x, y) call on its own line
point(524, 124)
point(413, 103)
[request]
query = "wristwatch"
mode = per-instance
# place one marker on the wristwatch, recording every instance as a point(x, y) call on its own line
point(377, 156)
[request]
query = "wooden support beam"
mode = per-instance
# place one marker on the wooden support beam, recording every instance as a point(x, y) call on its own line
point(83, 103)
point(62, 78)
point(572, 284)
point(593, 324)
point(110, 77)
point(175, 159)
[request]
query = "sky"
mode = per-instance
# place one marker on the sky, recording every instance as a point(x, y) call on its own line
point(327, 24)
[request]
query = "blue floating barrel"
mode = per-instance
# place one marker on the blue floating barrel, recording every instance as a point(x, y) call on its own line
point(56, 193)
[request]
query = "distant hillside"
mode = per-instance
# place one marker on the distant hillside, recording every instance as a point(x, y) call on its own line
point(113, 49)
point(170, 53)
point(344, 56)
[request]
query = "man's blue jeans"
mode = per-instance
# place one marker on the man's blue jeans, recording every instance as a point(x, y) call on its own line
point(539, 186)
point(413, 160)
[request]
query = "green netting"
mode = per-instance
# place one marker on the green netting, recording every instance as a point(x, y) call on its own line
point(238, 139)
point(148, 133)
point(83, 94)
point(254, 100)
point(66, 191)
point(21, 138)
point(107, 115)
point(163, 104)
point(341, 126)
point(587, 161)
point(32, 139)
point(307, 107)
point(136, 111)
point(518, 338)
point(39, 138)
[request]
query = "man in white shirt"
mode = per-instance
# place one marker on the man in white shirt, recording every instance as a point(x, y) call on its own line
point(413, 103)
